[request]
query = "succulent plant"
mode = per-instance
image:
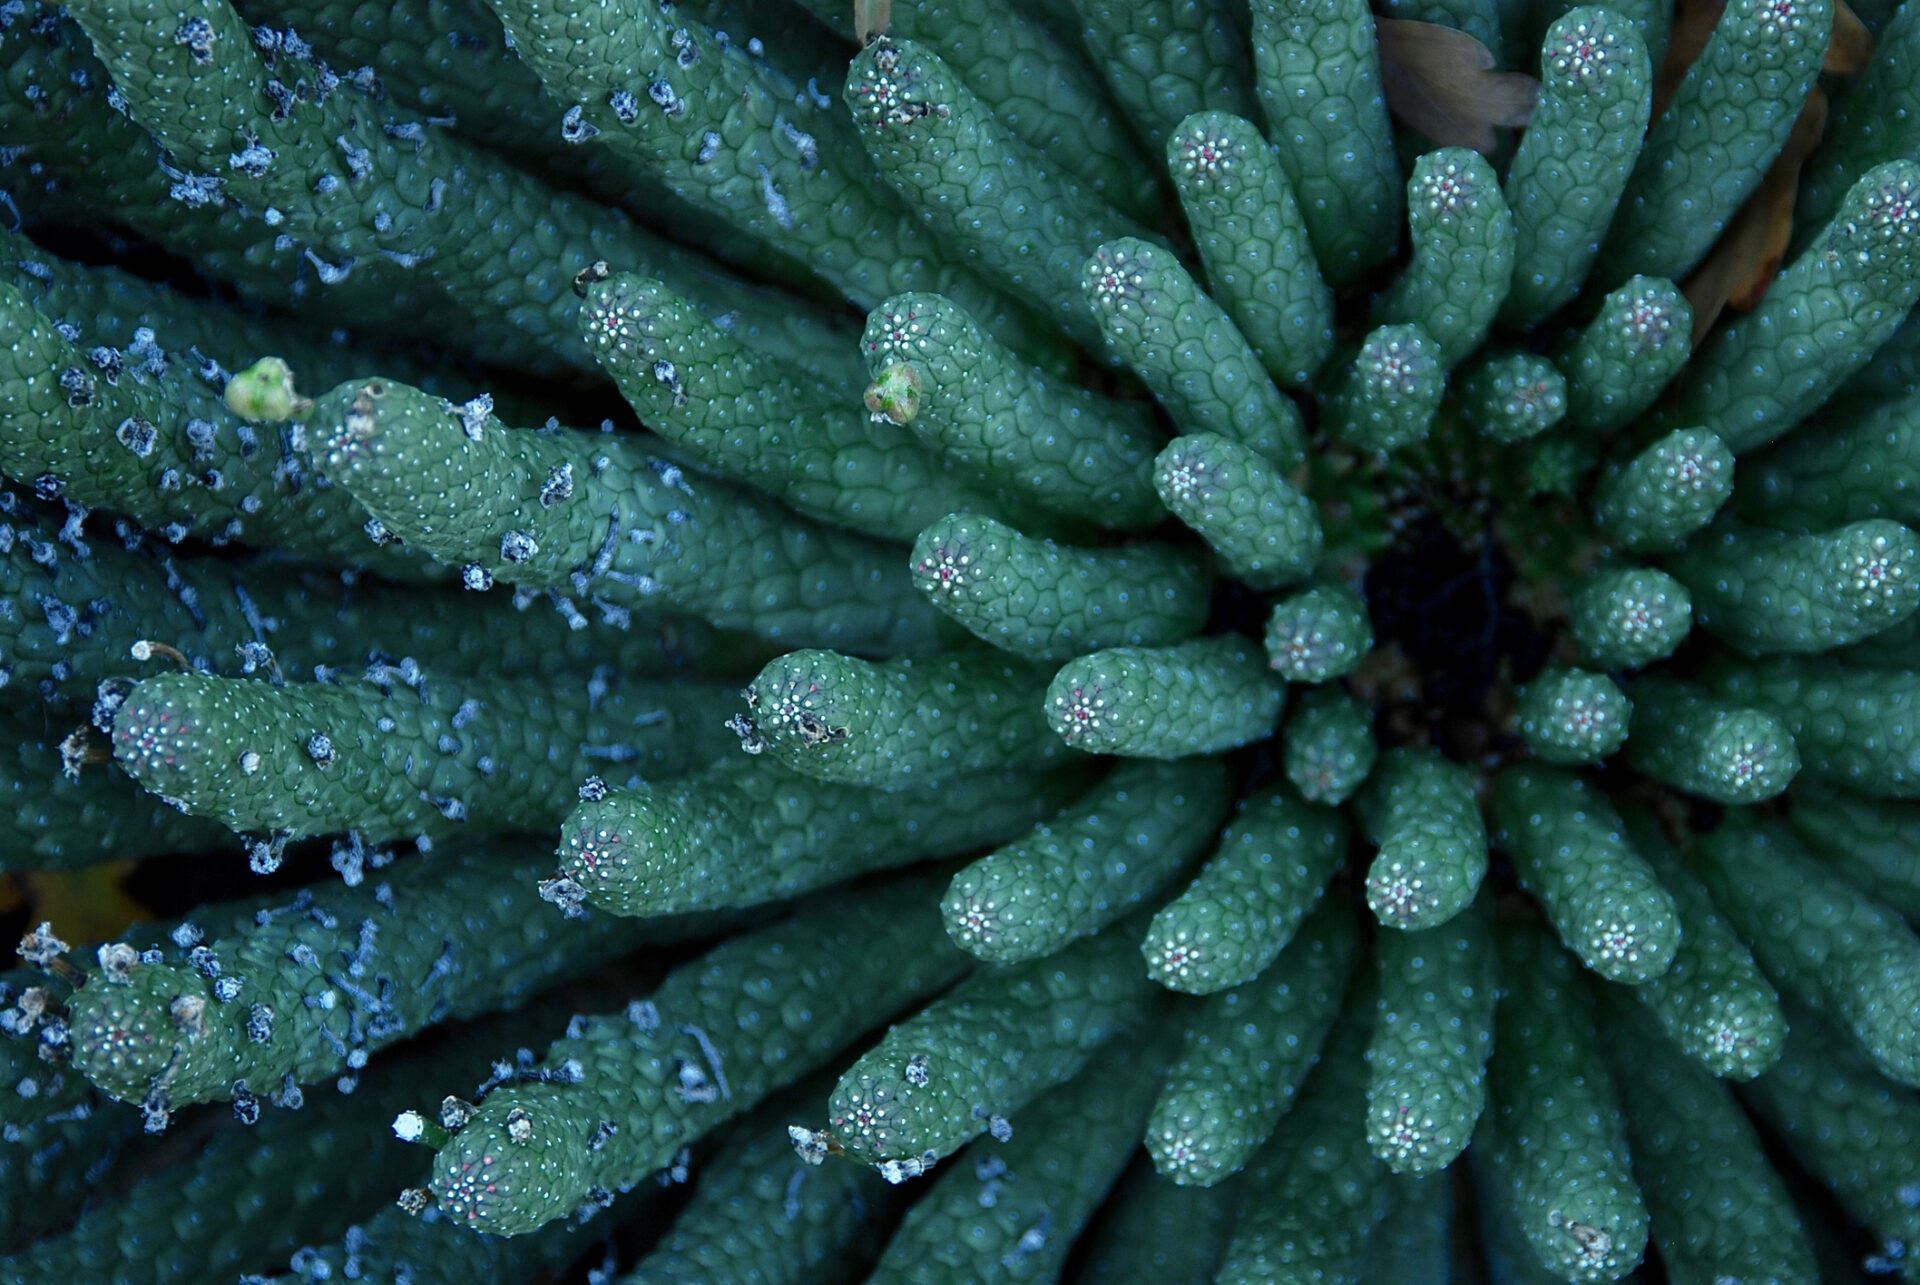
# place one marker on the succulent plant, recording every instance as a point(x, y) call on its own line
point(1178, 641)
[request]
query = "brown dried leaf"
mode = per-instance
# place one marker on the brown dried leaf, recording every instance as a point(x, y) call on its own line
point(871, 18)
point(1850, 46)
point(1442, 83)
point(1745, 260)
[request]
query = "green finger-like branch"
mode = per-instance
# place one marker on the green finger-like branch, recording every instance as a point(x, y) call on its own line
point(932, 140)
point(1328, 745)
point(1266, 533)
point(1714, 1003)
point(1894, 648)
point(1630, 617)
point(1253, 242)
point(150, 440)
point(112, 306)
point(891, 723)
point(759, 1212)
point(1852, 726)
point(1719, 1209)
point(762, 421)
point(1199, 697)
point(1463, 253)
point(1511, 396)
point(1653, 19)
point(97, 167)
point(1769, 592)
point(1875, 119)
point(1156, 319)
point(245, 1197)
point(984, 1050)
point(1572, 716)
point(1727, 120)
point(426, 1248)
point(1554, 1133)
point(1432, 1035)
point(1617, 366)
point(1420, 811)
point(54, 819)
point(1316, 635)
point(747, 831)
point(1715, 749)
point(1389, 390)
point(1869, 841)
point(60, 1139)
point(1318, 76)
point(1822, 939)
point(981, 405)
point(1893, 373)
point(1245, 1053)
point(1168, 59)
point(81, 619)
point(358, 197)
point(1122, 842)
point(1571, 167)
point(1048, 601)
point(1850, 1128)
point(391, 760)
point(453, 59)
point(94, 168)
point(1315, 1192)
point(1570, 849)
point(311, 989)
point(1024, 67)
point(1841, 468)
point(729, 135)
point(1667, 492)
point(627, 1090)
point(596, 516)
point(1820, 321)
point(1016, 1211)
point(1269, 870)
